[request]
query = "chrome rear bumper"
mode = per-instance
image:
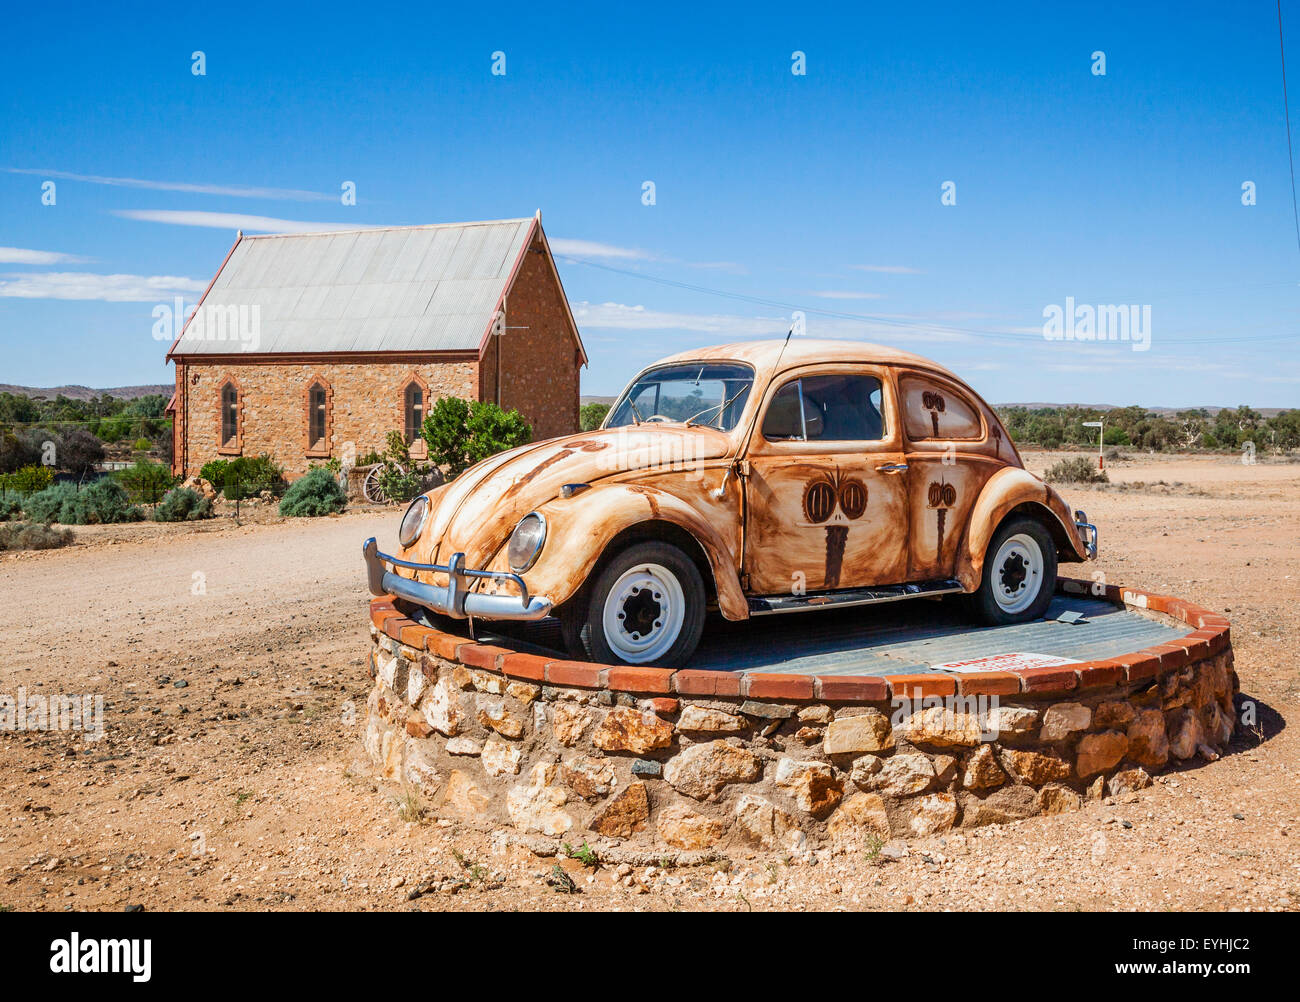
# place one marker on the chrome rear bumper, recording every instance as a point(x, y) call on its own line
point(455, 598)
point(1087, 534)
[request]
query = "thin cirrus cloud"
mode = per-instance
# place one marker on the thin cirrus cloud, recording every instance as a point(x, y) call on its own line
point(22, 255)
point(620, 316)
point(592, 248)
point(228, 190)
point(887, 269)
point(846, 294)
point(230, 221)
point(89, 286)
point(563, 247)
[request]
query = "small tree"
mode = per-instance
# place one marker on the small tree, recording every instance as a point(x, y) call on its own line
point(461, 434)
point(590, 416)
point(446, 432)
point(493, 430)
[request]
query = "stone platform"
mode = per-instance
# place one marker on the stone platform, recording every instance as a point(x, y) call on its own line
point(823, 738)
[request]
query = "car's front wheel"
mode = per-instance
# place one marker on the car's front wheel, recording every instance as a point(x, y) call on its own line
point(645, 607)
point(1019, 574)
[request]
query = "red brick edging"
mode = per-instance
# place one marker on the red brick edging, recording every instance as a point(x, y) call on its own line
point(1210, 637)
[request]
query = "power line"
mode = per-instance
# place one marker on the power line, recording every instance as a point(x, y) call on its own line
point(1286, 107)
point(888, 321)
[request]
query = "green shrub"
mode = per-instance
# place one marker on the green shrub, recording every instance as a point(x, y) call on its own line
point(142, 445)
point(590, 416)
point(247, 476)
point(399, 486)
point(28, 480)
point(461, 434)
point(445, 430)
point(46, 505)
point(146, 480)
point(116, 428)
point(103, 502)
point(22, 536)
point(214, 472)
point(10, 507)
point(1076, 470)
point(317, 493)
point(182, 504)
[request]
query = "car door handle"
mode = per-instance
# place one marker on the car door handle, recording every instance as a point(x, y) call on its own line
point(891, 468)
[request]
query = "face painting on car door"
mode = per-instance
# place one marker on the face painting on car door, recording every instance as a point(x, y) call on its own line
point(822, 515)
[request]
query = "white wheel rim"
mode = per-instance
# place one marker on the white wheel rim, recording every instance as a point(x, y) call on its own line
point(631, 632)
point(1017, 575)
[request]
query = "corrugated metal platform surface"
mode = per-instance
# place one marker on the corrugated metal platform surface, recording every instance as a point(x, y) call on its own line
point(900, 637)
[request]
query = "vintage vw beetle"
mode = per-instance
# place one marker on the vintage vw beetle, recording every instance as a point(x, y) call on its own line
point(757, 478)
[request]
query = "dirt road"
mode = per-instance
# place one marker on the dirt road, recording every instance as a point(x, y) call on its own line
point(230, 775)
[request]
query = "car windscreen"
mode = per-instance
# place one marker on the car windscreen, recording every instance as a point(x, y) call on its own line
point(704, 393)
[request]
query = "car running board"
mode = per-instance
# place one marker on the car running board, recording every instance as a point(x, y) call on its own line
point(771, 604)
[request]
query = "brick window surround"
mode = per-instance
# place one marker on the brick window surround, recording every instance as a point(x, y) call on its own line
point(411, 420)
point(230, 446)
point(318, 447)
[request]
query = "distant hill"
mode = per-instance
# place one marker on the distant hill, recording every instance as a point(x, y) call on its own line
point(86, 392)
point(1163, 411)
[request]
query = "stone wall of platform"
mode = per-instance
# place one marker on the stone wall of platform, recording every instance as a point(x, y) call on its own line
point(499, 739)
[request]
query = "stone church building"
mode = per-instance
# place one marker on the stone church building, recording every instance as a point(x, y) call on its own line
point(316, 345)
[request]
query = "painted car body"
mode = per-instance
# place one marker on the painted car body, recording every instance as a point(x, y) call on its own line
point(764, 517)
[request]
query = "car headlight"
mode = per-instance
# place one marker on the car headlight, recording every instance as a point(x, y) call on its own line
point(413, 521)
point(526, 541)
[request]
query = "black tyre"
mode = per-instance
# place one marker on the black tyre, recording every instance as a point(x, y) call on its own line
point(646, 606)
point(1019, 574)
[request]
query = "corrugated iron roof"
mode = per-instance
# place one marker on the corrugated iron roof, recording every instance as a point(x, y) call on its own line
point(411, 288)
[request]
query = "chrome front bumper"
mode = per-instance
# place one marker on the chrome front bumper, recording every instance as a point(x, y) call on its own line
point(455, 598)
point(1087, 533)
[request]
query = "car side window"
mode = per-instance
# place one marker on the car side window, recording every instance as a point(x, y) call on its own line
point(829, 408)
point(934, 410)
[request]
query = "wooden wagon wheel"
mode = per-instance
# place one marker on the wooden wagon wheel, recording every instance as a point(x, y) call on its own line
point(370, 488)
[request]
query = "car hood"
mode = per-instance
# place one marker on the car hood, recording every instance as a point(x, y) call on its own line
point(476, 513)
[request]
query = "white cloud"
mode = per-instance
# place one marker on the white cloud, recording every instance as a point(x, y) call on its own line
point(231, 190)
point(619, 316)
point(591, 248)
point(834, 294)
point(230, 221)
point(20, 255)
point(105, 288)
point(887, 269)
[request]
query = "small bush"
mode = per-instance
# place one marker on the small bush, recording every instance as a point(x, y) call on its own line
point(245, 477)
point(22, 536)
point(214, 472)
point(10, 507)
point(182, 504)
point(142, 445)
point(399, 486)
point(461, 434)
point(318, 493)
point(1076, 470)
point(46, 505)
point(28, 480)
point(104, 502)
point(146, 480)
point(590, 416)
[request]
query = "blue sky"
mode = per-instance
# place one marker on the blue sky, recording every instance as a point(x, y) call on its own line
point(773, 191)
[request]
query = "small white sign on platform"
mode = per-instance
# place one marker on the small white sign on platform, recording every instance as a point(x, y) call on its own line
point(1005, 662)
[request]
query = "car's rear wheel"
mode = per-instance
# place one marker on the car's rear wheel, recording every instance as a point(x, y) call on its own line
point(645, 607)
point(1019, 574)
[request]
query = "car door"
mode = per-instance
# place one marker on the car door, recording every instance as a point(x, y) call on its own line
point(951, 452)
point(826, 502)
